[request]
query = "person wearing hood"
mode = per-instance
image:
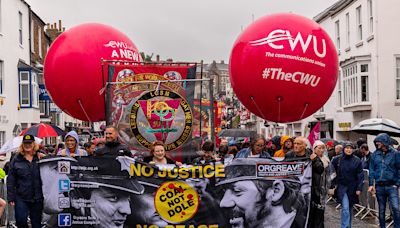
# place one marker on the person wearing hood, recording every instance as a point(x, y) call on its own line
point(286, 146)
point(348, 183)
point(72, 146)
point(319, 185)
point(274, 145)
point(112, 147)
point(384, 177)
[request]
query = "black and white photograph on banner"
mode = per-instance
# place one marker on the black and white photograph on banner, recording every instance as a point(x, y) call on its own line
point(249, 192)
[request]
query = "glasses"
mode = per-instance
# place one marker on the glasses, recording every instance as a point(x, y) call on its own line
point(259, 145)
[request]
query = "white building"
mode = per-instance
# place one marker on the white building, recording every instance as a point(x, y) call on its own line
point(19, 90)
point(365, 33)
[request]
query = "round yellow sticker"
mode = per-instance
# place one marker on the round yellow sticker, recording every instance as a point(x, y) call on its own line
point(176, 201)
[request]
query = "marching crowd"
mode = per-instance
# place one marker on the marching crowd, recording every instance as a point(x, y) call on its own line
point(337, 169)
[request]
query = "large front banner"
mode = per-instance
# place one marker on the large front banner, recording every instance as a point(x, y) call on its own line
point(246, 192)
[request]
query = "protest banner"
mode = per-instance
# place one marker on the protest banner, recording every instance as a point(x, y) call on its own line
point(248, 192)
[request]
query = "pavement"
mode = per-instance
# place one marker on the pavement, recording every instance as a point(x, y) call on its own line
point(332, 219)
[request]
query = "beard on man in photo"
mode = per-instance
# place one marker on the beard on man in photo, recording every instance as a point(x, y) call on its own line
point(261, 202)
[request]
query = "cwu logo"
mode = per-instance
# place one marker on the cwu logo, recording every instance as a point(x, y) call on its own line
point(275, 38)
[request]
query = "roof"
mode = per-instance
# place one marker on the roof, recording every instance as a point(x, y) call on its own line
point(333, 9)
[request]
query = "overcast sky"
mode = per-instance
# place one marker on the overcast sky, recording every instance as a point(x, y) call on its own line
point(184, 30)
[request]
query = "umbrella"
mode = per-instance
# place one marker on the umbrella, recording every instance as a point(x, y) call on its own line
point(13, 144)
point(375, 126)
point(44, 130)
point(235, 133)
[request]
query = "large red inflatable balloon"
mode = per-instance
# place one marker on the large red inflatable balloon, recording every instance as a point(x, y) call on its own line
point(283, 67)
point(73, 70)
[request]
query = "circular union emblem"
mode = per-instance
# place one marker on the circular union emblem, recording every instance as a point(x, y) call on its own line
point(176, 201)
point(161, 115)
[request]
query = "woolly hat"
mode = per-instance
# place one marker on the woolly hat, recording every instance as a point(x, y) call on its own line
point(318, 143)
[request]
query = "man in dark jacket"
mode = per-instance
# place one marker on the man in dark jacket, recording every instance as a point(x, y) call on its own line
point(349, 181)
point(300, 149)
point(113, 147)
point(384, 173)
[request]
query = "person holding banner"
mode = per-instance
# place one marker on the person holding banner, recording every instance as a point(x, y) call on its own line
point(72, 146)
point(384, 174)
point(24, 186)
point(158, 155)
point(348, 183)
point(112, 147)
point(319, 185)
point(256, 149)
point(259, 202)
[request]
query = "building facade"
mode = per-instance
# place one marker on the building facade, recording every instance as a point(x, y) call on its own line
point(368, 86)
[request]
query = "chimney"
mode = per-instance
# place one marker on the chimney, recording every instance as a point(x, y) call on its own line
point(222, 62)
point(59, 24)
point(157, 58)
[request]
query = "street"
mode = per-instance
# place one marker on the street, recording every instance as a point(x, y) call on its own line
point(332, 219)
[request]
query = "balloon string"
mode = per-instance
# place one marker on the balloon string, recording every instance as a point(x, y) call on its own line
point(258, 108)
point(83, 109)
point(304, 111)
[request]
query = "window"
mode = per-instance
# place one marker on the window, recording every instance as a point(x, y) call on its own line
point(370, 17)
point(347, 29)
point(337, 32)
point(40, 41)
point(2, 136)
point(20, 27)
point(359, 23)
point(24, 88)
point(398, 78)
point(1, 76)
point(355, 83)
point(340, 89)
point(35, 90)
point(364, 82)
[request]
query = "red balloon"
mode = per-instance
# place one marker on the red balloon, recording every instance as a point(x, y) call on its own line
point(73, 71)
point(283, 67)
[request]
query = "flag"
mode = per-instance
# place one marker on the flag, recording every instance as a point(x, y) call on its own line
point(314, 134)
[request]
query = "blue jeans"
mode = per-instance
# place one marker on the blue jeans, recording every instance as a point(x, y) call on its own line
point(34, 209)
point(346, 214)
point(391, 193)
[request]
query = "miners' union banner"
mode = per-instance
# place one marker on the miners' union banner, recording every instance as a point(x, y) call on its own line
point(153, 102)
point(125, 192)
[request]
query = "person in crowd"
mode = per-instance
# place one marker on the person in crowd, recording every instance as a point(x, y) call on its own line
point(3, 203)
point(158, 155)
point(90, 148)
point(207, 154)
point(286, 146)
point(320, 165)
point(72, 146)
point(366, 155)
point(338, 150)
point(274, 145)
point(59, 147)
point(357, 151)
point(330, 147)
point(222, 151)
point(224, 142)
point(299, 149)
point(113, 146)
point(259, 202)
point(384, 177)
point(245, 145)
point(232, 144)
point(24, 186)
point(348, 182)
point(256, 149)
